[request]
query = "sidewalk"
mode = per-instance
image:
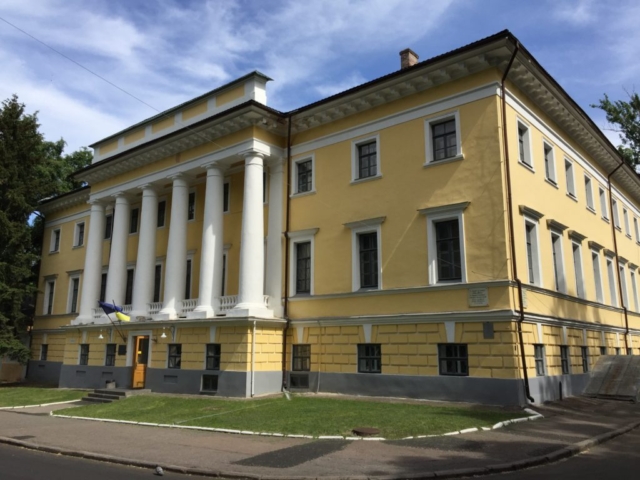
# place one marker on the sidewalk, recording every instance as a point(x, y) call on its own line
point(567, 423)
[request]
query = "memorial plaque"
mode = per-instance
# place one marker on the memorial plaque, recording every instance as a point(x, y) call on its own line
point(478, 297)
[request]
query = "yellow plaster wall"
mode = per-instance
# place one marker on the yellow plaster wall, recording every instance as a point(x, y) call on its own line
point(163, 124)
point(194, 111)
point(229, 95)
point(55, 352)
point(268, 352)
point(134, 136)
point(108, 147)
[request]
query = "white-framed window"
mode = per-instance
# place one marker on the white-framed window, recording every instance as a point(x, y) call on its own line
point(365, 158)
point(576, 249)
point(549, 163)
point(103, 284)
point(366, 254)
point(597, 276)
point(533, 251)
point(108, 226)
point(627, 228)
point(301, 268)
point(49, 292)
point(225, 271)
point(616, 217)
point(55, 241)
point(74, 289)
point(226, 198)
point(558, 262)
point(603, 204)
point(623, 286)
point(634, 288)
point(191, 208)
point(568, 170)
point(611, 277)
point(524, 144)
point(134, 220)
point(588, 192)
point(442, 138)
point(635, 228)
point(189, 277)
point(128, 291)
point(157, 282)
point(303, 175)
point(162, 214)
point(78, 235)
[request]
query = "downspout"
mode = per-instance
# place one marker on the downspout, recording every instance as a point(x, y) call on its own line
point(319, 356)
point(286, 259)
point(514, 264)
point(615, 249)
point(253, 359)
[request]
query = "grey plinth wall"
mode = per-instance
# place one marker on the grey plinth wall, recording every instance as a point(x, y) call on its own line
point(89, 376)
point(547, 389)
point(43, 372)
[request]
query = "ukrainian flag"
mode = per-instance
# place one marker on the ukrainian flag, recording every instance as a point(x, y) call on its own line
point(122, 317)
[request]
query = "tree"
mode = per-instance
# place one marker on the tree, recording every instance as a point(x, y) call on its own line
point(625, 116)
point(31, 169)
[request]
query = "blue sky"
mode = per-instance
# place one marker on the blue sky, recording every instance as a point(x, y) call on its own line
point(166, 52)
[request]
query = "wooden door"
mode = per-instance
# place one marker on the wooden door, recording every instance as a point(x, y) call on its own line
point(140, 356)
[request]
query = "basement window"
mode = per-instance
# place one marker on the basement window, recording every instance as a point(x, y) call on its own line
point(453, 359)
point(369, 358)
point(175, 355)
point(209, 384)
point(301, 358)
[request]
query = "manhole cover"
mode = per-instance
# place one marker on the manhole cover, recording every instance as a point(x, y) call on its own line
point(365, 431)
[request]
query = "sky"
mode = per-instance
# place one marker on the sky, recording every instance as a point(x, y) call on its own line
point(154, 55)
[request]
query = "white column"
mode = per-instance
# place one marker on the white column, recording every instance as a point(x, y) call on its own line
point(212, 244)
point(273, 288)
point(145, 265)
point(251, 285)
point(92, 265)
point(176, 271)
point(117, 276)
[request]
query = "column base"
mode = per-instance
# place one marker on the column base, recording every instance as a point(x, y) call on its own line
point(250, 310)
point(140, 313)
point(202, 311)
point(166, 314)
point(89, 319)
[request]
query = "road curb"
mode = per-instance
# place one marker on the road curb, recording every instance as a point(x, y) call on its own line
point(560, 454)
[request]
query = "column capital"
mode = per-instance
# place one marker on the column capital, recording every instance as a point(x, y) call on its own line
point(148, 186)
point(121, 196)
point(251, 153)
point(98, 202)
point(214, 165)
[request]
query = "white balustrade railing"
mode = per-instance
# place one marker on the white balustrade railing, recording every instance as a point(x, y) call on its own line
point(126, 309)
point(228, 302)
point(267, 301)
point(189, 305)
point(154, 307)
point(97, 312)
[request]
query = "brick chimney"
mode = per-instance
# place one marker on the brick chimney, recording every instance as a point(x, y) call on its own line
point(408, 58)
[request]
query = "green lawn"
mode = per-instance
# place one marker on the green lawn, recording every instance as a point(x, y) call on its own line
point(19, 396)
point(300, 415)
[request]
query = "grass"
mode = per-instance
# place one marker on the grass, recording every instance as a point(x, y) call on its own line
point(19, 396)
point(300, 415)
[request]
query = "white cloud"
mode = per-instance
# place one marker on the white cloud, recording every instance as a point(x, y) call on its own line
point(578, 12)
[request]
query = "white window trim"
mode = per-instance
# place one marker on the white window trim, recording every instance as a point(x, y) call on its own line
point(76, 235)
point(130, 266)
point(70, 293)
point(553, 177)
point(358, 227)
point(52, 242)
point(637, 230)
point(139, 208)
point(537, 267)
point(166, 203)
point(190, 255)
point(602, 194)
point(161, 263)
point(355, 158)
point(634, 288)
point(294, 169)
point(574, 194)
point(428, 136)
point(623, 283)
point(195, 204)
point(303, 236)
point(562, 275)
point(528, 153)
point(105, 227)
point(226, 181)
point(588, 191)
point(49, 291)
point(578, 270)
point(225, 256)
point(627, 227)
point(598, 278)
point(611, 278)
point(616, 214)
point(445, 212)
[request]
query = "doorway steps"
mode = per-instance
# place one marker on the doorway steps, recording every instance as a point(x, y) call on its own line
point(108, 395)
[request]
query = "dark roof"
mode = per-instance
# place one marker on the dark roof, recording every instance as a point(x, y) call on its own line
point(62, 195)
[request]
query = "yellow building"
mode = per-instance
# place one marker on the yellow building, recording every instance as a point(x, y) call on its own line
point(426, 234)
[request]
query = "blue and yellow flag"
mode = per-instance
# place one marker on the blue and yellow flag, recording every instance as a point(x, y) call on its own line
point(122, 317)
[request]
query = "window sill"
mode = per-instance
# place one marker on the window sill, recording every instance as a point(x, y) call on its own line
point(54, 252)
point(572, 197)
point(366, 289)
point(433, 163)
point(302, 194)
point(591, 209)
point(619, 229)
point(628, 235)
point(132, 234)
point(301, 295)
point(366, 179)
point(552, 183)
point(528, 167)
point(75, 247)
point(604, 219)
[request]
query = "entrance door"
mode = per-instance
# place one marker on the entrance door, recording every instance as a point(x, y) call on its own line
point(141, 354)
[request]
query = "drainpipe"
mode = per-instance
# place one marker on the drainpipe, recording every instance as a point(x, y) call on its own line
point(253, 359)
point(319, 356)
point(514, 264)
point(615, 249)
point(286, 260)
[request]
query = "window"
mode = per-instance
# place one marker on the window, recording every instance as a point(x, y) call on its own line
point(187, 285)
point(128, 296)
point(368, 259)
point(209, 383)
point(603, 203)
point(264, 187)
point(538, 353)
point(108, 226)
point(623, 286)
point(84, 354)
point(44, 351)
point(103, 287)
point(133, 222)
point(584, 352)
point(303, 267)
point(304, 175)
point(225, 199)
point(595, 259)
point(223, 287)
point(49, 292)
point(74, 286)
point(157, 282)
point(577, 266)
point(110, 355)
point(603, 350)
point(564, 359)
point(558, 263)
point(635, 227)
point(568, 170)
point(629, 351)
point(616, 218)
point(453, 359)
point(367, 160)
point(162, 212)
point(302, 358)
point(444, 139)
point(617, 350)
point(531, 237)
point(627, 228)
point(369, 358)
point(448, 250)
point(55, 241)
point(549, 163)
point(523, 145)
point(588, 191)
point(191, 211)
point(613, 298)
point(213, 356)
point(78, 239)
point(175, 355)
point(634, 289)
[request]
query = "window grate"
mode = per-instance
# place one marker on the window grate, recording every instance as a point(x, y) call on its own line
point(453, 359)
point(538, 352)
point(213, 356)
point(175, 355)
point(209, 383)
point(369, 358)
point(301, 358)
point(110, 357)
point(44, 351)
point(84, 354)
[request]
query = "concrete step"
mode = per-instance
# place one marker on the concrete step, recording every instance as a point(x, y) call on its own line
point(104, 396)
point(121, 392)
point(96, 400)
